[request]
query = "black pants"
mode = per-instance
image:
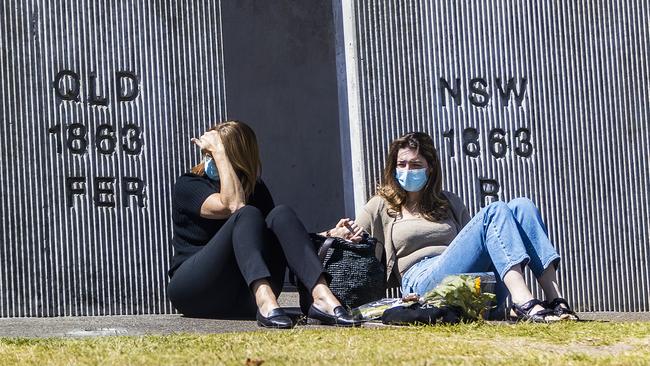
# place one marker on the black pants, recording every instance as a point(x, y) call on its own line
point(215, 282)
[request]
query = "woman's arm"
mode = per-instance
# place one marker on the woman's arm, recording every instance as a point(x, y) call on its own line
point(458, 209)
point(369, 219)
point(231, 197)
point(353, 229)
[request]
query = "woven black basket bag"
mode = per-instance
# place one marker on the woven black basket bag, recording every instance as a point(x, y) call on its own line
point(358, 277)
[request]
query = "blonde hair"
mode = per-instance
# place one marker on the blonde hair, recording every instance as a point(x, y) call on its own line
point(242, 150)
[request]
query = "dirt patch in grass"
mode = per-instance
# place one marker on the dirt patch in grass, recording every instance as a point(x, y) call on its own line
point(563, 349)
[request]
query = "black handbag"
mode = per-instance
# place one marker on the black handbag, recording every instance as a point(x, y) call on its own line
point(358, 277)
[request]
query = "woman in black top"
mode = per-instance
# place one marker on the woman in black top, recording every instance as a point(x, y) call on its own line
point(232, 244)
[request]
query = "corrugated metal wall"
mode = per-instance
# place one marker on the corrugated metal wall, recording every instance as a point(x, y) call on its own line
point(85, 179)
point(573, 136)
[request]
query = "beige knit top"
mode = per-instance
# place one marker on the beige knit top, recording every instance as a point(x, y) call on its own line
point(405, 243)
point(416, 238)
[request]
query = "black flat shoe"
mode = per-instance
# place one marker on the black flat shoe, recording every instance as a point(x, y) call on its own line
point(341, 317)
point(522, 312)
point(564, 312)
point(277, 318)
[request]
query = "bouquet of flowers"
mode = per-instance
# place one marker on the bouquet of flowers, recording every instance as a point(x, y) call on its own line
point(463, 292)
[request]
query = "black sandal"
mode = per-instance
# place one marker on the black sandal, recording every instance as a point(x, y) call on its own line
point(564, 312)
point(522, 312)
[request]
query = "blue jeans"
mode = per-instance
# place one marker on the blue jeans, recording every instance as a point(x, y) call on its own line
point(499, 237)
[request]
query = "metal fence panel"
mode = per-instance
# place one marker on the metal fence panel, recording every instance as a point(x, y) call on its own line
point(98, 100)
point(547, 100)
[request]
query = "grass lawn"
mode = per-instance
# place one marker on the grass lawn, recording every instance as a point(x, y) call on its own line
point(584, 343)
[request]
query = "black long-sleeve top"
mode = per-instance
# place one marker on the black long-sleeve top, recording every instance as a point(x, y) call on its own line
point(191, 231)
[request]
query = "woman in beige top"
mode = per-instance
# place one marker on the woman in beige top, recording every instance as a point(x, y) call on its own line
point(427, 233)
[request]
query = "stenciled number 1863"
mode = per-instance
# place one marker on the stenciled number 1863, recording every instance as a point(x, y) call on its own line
point(75, 137)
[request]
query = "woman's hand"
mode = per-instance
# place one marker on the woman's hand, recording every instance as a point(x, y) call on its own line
point(347, 229)
point(210, 143)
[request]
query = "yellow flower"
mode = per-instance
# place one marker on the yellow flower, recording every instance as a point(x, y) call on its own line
point(477, 285)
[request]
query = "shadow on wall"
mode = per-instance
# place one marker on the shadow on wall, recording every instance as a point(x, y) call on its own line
point(280, 72)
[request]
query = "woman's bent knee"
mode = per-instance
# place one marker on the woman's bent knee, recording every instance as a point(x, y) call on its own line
point(281, 214)
point(522, 204)
point(248, 210)
point(497, 207)
point(282, 210)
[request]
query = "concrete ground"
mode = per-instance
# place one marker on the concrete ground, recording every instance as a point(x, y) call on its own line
point(170, 324)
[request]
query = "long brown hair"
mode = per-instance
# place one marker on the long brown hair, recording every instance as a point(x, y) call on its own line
point(433, 206)
point(241, 147)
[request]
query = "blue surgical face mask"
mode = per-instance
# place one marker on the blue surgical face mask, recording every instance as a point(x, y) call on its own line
point(210, 168)
point(411, 180)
